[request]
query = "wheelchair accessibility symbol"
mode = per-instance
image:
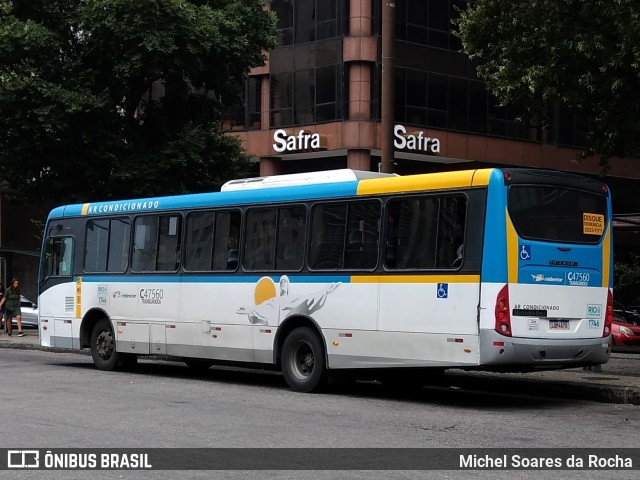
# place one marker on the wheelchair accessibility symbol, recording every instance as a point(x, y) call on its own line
point(525, 252)
point(443, 290)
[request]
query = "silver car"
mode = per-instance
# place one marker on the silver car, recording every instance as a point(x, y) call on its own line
point(29, 312)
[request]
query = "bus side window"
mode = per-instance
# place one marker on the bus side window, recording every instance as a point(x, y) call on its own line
point(58, 257)
point(259, 246)
point(451, 231)
point(361, 249)
point(225, 256)
point(411, 232)
point(168, 243)
point(292, 224)
point(198, 245)
point(145, 238)
point(328, 225)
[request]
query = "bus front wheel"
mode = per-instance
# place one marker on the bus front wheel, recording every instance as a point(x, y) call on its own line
point(303, 364)
point(103, 346)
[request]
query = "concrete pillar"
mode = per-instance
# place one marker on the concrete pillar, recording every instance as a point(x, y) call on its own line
point(270, 166)
point(359, 91)
point(265, 90)
point(360, 18)
point(360, 53)
point(359, 159)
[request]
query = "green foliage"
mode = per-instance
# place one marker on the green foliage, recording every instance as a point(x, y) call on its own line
point(584, 54)
point(119, 98)
point(626, 280)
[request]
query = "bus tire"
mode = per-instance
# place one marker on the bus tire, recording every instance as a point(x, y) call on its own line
point(103, 346)
point(197, 364)
point(302, 360)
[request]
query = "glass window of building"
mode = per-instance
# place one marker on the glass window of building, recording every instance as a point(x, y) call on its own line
point(307, 84)
point(254, 102)
point(281, 99)
point(304, 21)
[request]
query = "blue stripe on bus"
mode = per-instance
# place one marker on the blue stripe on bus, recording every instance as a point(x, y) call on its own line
point(217, 199)
point(494, 264)
point(537, 270)
point(610, 217)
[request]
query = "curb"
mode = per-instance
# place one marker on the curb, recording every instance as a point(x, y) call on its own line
point(594, 392)
point(37, 346)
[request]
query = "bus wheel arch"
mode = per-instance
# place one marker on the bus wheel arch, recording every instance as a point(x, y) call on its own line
point(88, 322)
point(97, 319)
point(302, 355)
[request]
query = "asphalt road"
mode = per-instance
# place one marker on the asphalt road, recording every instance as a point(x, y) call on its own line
point(58, 400)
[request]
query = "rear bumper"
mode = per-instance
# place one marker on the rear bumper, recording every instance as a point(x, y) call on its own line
point(497, 349)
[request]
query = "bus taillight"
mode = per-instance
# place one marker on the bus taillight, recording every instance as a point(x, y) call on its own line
point(503, 319)
point(608, 316)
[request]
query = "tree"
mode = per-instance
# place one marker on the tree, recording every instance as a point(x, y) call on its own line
point(120, 98)
point(584, 54)
point(626, 280)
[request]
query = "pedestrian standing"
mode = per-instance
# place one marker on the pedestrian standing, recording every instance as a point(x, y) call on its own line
point(11, 302)
point(3, 324)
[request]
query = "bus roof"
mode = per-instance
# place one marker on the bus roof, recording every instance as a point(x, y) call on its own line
point(294, 187)
point(306, 178)
point(310, 186)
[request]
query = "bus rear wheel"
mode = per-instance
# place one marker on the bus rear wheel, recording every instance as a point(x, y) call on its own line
point(303, 363)
point(103, 346)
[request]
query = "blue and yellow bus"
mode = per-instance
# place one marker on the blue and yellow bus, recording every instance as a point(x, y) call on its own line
point(339, 271)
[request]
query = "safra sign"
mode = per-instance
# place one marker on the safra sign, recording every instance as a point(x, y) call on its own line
point(302, 141)
point(415, 141)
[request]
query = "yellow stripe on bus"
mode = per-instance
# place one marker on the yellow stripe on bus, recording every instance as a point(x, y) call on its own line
point(606, 257)
point(85, 208)
point(78, 297)
point(481, 177)
point(427, 181)
point(415, 279)
point(512, 250)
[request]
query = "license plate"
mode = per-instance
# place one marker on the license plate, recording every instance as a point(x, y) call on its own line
point(558, 324)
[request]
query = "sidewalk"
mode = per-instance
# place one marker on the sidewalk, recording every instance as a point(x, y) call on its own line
point(617, 382)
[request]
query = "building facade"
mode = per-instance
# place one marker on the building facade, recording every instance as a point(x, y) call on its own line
point(316, 103)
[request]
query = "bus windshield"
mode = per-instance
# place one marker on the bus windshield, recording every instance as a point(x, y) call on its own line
point(557, 214)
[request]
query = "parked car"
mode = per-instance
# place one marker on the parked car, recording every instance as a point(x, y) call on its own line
point(624, 334)
point(29, 312)
point(628, 314)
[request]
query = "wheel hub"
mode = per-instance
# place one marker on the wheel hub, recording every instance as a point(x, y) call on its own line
point(104, 345)
point(308, 360)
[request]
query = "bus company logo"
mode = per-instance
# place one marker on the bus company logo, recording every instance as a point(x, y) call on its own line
point(119, 294)
point(23, 459)
point(594, 311)
point(542, 278)
point(103, 294)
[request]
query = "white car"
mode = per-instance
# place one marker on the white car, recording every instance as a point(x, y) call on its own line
point(29, 312)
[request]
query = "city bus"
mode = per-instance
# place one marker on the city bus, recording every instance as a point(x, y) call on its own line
point(503, 269)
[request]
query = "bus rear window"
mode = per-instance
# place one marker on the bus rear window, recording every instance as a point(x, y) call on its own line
point(557, 214)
